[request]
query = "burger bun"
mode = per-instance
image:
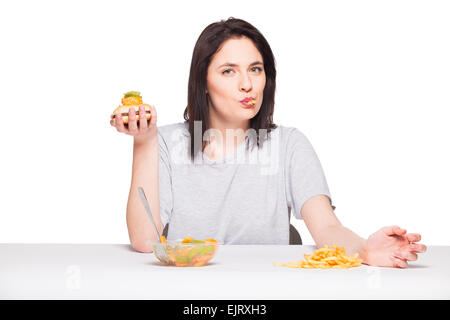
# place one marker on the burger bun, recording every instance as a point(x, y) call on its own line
point(123, 110)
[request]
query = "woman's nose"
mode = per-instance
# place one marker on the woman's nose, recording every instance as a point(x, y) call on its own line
point(245, 83)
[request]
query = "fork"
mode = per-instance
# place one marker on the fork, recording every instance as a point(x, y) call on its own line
point(160, 251)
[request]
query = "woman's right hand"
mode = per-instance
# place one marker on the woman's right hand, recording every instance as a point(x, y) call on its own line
point(142, 130)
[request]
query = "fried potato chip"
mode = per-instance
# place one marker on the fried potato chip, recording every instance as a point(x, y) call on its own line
point(325, 258)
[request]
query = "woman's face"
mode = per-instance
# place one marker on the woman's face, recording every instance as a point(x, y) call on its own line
point(235, 72)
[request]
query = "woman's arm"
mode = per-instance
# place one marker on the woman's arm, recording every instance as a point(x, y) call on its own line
point(145, 175)
point(388, 247)
point(325, 227)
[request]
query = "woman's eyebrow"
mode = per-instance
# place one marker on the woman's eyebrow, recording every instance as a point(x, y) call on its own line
point(231, 64)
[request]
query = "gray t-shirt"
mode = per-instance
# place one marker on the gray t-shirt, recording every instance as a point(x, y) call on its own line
point(244, 198)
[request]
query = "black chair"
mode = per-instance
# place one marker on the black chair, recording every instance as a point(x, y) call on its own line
point(165, 230)
point(294, 235)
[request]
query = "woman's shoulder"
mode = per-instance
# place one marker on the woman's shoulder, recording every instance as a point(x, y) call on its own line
point(169, 131)
point(292, 136)
point(173, 127)
point(289, 132)
point(287, 129)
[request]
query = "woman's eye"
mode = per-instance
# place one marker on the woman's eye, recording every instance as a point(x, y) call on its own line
point(258, 69)
point(228, 71)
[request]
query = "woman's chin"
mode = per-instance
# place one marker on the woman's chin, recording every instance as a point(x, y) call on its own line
point(249, 114)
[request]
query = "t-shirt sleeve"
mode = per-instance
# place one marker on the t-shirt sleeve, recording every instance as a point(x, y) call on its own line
point(304, 174)
point(165, 181)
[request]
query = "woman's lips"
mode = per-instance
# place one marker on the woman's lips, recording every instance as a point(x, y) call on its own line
point(248, 103)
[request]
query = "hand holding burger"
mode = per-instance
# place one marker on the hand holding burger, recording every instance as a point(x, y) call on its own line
point(131, 100)
point(134, 117)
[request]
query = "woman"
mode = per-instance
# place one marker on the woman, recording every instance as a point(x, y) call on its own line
point(228, 172)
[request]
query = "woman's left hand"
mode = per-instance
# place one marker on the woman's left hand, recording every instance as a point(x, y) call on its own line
point(392, 247)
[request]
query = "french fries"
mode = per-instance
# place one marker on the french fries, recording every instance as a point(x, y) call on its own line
point(325, 258)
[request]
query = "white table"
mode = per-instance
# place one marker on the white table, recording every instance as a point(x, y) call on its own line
point(115, 271)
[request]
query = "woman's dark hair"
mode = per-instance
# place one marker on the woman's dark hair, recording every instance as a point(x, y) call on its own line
point(208, 43)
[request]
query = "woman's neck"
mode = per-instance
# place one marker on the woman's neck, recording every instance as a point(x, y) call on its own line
point(225, 138)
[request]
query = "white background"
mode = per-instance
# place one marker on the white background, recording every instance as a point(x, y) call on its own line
point(367, 82)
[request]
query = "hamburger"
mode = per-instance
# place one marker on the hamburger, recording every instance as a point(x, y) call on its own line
point(131, 99)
